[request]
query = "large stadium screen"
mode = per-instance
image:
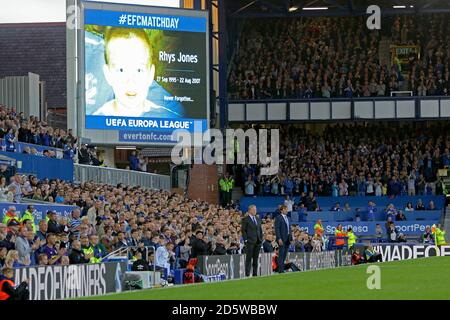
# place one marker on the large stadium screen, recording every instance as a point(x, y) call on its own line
point(146, 73)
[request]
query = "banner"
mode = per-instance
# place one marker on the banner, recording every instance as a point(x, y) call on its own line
point(233, 266)
point(72, 281)
point(368, 228)
point(40, 210)
point(396, 252)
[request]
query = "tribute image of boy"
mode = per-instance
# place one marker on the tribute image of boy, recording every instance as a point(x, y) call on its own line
point(129, 71)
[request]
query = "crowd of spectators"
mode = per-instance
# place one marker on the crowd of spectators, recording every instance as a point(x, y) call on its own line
point(356, 159)
point(42, 139)
point(113, 217)
point(108, 218)
point(15, 127)
point(323, 57)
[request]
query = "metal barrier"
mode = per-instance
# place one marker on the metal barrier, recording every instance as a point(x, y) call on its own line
point(126, 252)
point(112, 176)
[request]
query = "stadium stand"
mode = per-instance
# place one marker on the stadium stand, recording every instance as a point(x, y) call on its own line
point(34, 137)
point(310, 57)
point(381, 179)
point(355, 159)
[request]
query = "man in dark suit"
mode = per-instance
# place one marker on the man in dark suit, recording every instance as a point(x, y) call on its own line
point(199, 246)
point(283, 236)
point(253, 237)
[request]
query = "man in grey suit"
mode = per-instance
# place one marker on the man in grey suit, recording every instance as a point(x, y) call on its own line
point(253, 237)
point(23, 247)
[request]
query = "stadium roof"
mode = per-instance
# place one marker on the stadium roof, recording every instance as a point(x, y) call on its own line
point(287, 8)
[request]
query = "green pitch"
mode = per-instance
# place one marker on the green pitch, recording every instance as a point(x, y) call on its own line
point(426, 278)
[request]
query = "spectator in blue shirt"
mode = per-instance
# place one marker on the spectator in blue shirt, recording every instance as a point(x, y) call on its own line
point(10, 139)
point(69, 152)
point(250, 187)
point(134, 161)
point(371, 211)
point(335, 189)
point(60, 197)
point(391, 212)
point(45, 138)
point(361, 183)
point(348, 91)
point(288, 186)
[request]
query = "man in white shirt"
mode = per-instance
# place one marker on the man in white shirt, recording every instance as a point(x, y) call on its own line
point(289, 204)
point(162, 257)
point(250, 187)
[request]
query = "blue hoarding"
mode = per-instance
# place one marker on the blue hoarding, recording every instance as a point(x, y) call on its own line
point(368, 228)
point(43, 167)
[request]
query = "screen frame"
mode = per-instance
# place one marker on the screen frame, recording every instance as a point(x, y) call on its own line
point(111, 137)
point(138, 4)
